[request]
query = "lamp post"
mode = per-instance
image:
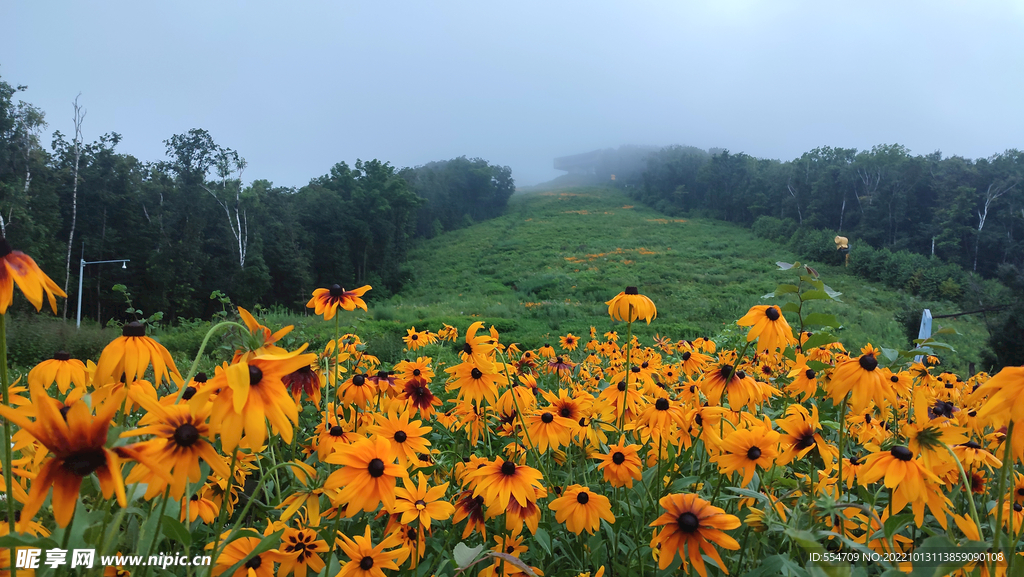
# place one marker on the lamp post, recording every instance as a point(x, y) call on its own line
point(81, 266)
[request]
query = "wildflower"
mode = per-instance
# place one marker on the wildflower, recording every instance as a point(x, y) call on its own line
point(77, 438)
point(581, 509)
point(415, 340)
point(416, 393)
point(691, 524)
point(1004, 394)
point(569, 342)
point(621, 464)
point(260, 565)
point(769, 327)
point(630, 305)
point(471, 508)
point(803, 433)
point(326, 301)
point(300, 551)
point(417, 502)
point(910, 480)
point(199, 506)
point(61, 369)
point(448, 333)
point(18, 267)
point(131, 354)
point(305, 380)
point(746, 449)
point(862, 378)
point(259, 341)
point(420, 369)
point(547, 429)
point(502, 480)
point(476, 382)
point(368, 477)
point(407, 438)
point(805, 385)
point(251, 393)
point(307, 493)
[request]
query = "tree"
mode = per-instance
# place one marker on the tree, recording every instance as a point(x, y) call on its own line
point(999, 175)
point(77, 142)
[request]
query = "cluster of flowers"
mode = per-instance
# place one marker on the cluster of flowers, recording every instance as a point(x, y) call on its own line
point(512, 425)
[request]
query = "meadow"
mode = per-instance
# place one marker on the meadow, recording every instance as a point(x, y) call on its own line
point(580, 387)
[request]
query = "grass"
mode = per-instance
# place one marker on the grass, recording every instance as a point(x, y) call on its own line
point(547, 267)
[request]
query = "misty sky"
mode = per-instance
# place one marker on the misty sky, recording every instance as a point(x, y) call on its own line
point(298, 86)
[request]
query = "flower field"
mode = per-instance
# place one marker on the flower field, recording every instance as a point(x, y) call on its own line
point(599, 454)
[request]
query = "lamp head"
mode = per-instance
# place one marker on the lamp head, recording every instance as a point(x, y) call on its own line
point(124, 265)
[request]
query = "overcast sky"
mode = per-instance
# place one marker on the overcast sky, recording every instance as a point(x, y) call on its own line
point(298, 86)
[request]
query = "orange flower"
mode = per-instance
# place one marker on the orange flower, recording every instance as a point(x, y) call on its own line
point(18, 267)
point(326, 301)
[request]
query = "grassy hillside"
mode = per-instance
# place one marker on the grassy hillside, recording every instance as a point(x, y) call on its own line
point(549, 264)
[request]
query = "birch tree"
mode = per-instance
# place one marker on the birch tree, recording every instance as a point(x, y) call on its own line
point(77, 153)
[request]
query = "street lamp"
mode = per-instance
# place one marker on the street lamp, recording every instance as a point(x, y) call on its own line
point(81, 266)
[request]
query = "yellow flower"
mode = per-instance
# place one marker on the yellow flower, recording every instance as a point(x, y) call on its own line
point(769, 327)
point(629, 305)
point(18, 267)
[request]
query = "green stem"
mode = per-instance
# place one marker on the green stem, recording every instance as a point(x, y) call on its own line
point(629, 367)
point(966, 483)
point(224, 503)
point(8, 455)
point(156, 532)
point(202, 348)
point(1007, 465)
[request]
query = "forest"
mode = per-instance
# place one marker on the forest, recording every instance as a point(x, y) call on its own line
point(190, 225)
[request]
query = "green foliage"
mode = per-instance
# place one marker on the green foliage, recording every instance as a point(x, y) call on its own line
point(34, 338)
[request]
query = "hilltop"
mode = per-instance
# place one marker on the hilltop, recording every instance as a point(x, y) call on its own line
point(547, 266)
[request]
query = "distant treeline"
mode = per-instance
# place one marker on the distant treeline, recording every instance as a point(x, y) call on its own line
point(924, 224)
point(190, 226)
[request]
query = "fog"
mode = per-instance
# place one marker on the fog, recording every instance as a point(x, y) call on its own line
point(297, 87)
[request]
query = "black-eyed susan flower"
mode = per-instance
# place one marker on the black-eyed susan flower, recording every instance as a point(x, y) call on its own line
point(300, 552)
point(259, 340)
point(769, 327)
point(547, 429)
point(367, 560)
point(478, 349)
point(802, 434)
point(305, 381)
point(582, 509)
point(745, 450)
point(181, 438)
point(472, 509)
point(805, 379)
point(18, 267)
point(569, 342)
point(259, 565)
point(517, 515)
point(420, 368)
point(629, 305)
point(407, 438)
point(690, 525)
point(417, 502)
point(199, 505)
point(475, 382)
point(448, 333)
point(61, 369)
point(501, 480)
point(621, 464)
point(326, 301)
point(77, 438)
point(911, 481)
point(863, 379)
point(368, 476)
point(415, 340)
point(417, 396)
point(130, 355)
point(251, 393)
point(307, 492)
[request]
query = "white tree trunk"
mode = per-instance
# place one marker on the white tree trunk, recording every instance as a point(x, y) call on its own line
point(79, 117)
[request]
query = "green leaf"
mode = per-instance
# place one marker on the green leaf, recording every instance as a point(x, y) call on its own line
point(464, 555)
point(790, 307)
point(784, 289)
point(890, 354)
point(543, 539)
point(515, 561)
point(895, 523)
point(749, 493)
point(176, 531)
point(818, 339)
point(20, 540)
point(821, 320)
point(785, 265)
point(946, 331)
point(814, 295)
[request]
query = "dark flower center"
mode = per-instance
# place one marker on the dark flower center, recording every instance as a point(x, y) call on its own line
point(416, 372)
point(772, 313)
point(1017, 508)
point(376, 468)
point(754, 453)
point(902, 453)
point(622, 385)
point(854, 461)
point(810, 374)
point(949, 385)
point(82, 463)
point(631, 290)
point(805, 441)
point(190, 392)
point(618, 458)
point(510, 549)
point(200, 378)
point(558, 360)
point(685, 356)
point(699, 420)
point(1020, 492)
point(415, 337)
point(688, 522)
point(894, 379)
point(382, 374)
point(336, 290)
point(421, 391)
point(358, 380)
point(741, 375)
point(62, 356)
point(255, 375)
point(467, 348)
point(401, 436)
point(508, 468)
point(972, 445)
point(972, 413)
point(186, 435)
point(254, 563)
point(868, 362)
point(547, 417)
point(726, 370)
point(475, 373)
point(564, 412)
point(661, 404)
point(336, 431)
point(867, 419)
point(366, 563)
point(635, 369)
point(582, 497)
point(133, 329)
